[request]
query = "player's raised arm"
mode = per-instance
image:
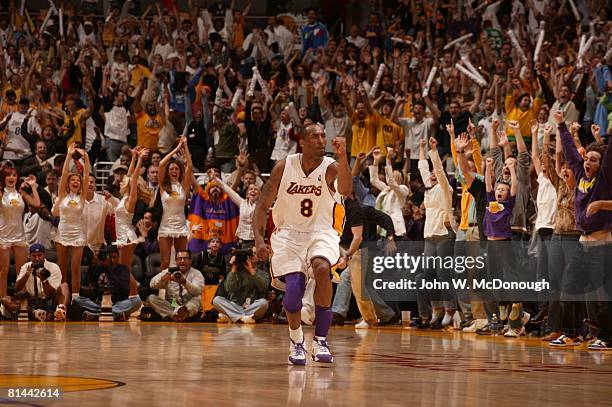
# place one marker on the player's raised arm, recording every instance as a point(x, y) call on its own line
point(266, 199)
point(342, 169)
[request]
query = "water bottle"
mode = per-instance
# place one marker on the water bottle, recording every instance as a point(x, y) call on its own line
point(494, 324)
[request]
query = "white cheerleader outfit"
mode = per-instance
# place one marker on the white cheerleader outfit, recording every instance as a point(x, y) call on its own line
point(72, 228)
point(173, 223)
point(126, 234)
point(11, 219)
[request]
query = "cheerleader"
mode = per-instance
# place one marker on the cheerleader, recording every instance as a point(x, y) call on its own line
point(71, 231)
point(131, 190)
point(12, 208)
point(175, 182)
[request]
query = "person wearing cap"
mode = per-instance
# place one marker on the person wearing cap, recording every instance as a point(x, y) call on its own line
point(39, 282)
point(17, 147)
point(110, 276)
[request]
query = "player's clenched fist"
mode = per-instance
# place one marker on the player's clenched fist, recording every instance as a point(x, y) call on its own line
point(339, 144)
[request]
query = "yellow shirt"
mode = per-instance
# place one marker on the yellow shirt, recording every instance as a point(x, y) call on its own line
point(513, 112)
point(364, 133)
point(387, 134)
point(78, 130)
point(466, 197)
point(148, 130)
point(8, 87)
point(5, 109)
point(138, 73)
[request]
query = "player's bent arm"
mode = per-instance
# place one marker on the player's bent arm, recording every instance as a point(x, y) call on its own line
point(266, 199)
point(341, 171)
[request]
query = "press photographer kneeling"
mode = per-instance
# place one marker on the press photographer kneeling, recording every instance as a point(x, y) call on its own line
point(40, 284)
point(183, 285)
point(244, 290)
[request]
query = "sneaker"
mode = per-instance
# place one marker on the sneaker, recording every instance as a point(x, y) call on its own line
point(448, 318)
point(90, 316)
point(420, 324)
point(466, 323)
point(514, 333)
point(362, 325)
point(222, 319)
point(40, 315)
point(248, 319)
point(297, 354)
point(551, 336)
point(320, 351)
point(539, 317)
point(394, 320)
point(564, 341)
point(337, 319)
point(600, 345)
point(60, 313)
point(485, 330)
point(503, 312)
point(475, 326)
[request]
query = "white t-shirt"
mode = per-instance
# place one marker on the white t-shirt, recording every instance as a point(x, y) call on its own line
point(358, 41)
point(546, 202)
point(16, 140)
point(116, 123)
point(95, 213)
point(55, 279)
point(414, 132)
point(487, 123)
point(163, 50)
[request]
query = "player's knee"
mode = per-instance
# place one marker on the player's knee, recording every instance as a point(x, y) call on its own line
point(321, 270)
point(295, 285)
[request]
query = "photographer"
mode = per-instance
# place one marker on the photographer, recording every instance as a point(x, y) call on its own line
point(245, 290)
point(40, 283)
point(183, 285)
point(111, 276)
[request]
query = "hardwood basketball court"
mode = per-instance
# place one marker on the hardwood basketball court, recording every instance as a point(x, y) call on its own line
point(167, 364)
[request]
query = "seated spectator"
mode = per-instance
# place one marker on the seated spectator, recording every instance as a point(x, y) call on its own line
point(183, 285)
point(211, 263)
point(245, 290)
point(111, 277)
point(40, 284)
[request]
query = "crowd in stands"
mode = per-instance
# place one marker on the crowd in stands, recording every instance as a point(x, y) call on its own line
point(465, 122)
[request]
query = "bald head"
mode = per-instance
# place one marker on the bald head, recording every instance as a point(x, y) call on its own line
point(312, 129)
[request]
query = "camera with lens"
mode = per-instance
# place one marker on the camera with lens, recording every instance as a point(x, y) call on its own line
point(39, 270)
point(174, 272)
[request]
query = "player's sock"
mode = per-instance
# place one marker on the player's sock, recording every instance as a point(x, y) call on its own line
point(323, 318)
point(75, 296)
point(296, 335)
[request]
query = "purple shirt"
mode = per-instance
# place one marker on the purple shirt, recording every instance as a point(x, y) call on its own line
point(588, 190)
point(498, 216)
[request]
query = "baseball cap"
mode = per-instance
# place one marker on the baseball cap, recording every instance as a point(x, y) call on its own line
point(120, 167)
point(37, 248)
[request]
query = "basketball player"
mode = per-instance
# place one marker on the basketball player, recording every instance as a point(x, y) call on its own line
point(309, 216)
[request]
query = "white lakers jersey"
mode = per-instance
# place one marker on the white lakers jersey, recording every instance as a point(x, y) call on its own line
point(305, 203)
